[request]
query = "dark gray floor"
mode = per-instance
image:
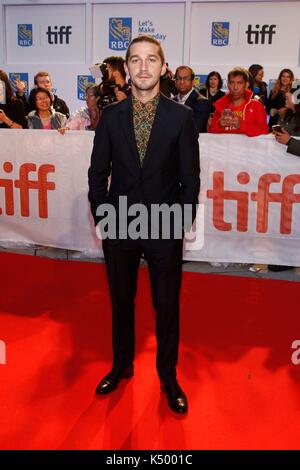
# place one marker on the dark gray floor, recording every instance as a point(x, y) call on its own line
point(191, 266)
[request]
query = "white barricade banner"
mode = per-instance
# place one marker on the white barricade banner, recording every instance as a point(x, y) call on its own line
point(250, 188)
point(250, 195)
point(43, 188)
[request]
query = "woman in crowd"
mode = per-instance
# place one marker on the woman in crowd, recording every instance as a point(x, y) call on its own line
point(86, 118)
point(276, 102)
point(256, 83)
point(43, 115)
point(12, 114)
point(212, 90)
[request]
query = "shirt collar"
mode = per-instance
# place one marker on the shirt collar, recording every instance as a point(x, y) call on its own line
point(153, 102)
point(185, 97)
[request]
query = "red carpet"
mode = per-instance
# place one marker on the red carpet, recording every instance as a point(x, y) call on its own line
point(235, 363)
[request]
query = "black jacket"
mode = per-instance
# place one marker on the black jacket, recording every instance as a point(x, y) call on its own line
point(294, 147)
point(200, 107)
point(14, 110)
point(170, 170)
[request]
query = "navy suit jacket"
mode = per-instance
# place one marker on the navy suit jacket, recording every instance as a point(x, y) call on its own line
point(294, 147)
point(201, 109)
point(170, 170)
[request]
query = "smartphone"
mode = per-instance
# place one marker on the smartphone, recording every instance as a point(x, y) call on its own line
point(277, 128)
point(227, 113)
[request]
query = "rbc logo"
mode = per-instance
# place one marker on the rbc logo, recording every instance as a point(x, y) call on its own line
point(22, 77)
point(220, 33)
point(120, 33)
point(200, 80)
point(24, 35)
point(83, 81)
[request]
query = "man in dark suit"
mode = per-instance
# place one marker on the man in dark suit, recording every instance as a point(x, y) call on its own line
point(184, 81)
point(148, 145)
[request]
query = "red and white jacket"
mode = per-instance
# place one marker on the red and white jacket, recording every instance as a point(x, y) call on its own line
point(254, 121)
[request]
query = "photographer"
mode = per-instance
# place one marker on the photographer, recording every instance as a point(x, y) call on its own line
point(113, 86)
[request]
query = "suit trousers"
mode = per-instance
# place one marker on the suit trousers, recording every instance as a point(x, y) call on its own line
point(164, 258)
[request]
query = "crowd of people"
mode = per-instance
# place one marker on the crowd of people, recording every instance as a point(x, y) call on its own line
point(246, 108)
point(151, 181)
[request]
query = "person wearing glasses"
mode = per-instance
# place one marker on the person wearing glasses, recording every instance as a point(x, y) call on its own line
point(189, 96)
point(238, 112)
point(43, 115)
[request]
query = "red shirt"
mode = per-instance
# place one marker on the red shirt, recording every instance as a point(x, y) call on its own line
point(252, 114)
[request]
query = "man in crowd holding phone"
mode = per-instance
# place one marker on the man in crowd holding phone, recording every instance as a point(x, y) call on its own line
point(237, 112)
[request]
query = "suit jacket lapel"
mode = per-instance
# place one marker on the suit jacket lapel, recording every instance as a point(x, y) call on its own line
point(126, 117)
point(190, 99)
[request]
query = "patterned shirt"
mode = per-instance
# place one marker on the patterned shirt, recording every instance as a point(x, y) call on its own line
point(143, 117)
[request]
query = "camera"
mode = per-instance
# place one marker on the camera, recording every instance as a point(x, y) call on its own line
point(106, 89)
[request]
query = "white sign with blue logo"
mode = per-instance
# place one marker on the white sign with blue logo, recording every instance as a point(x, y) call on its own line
point(115, 25)
point(245, 33)
point(45, 34)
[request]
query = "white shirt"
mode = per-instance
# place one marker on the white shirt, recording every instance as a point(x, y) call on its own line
point(183, 99)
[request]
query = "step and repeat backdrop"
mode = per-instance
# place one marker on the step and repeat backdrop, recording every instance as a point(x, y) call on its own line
point(67, 39)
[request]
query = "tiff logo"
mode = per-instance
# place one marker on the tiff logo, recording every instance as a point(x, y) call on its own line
point(24, 184)
point(259, 35)
point(2, 352)
point(296, 354)
point(263, 197)
point(57, 35)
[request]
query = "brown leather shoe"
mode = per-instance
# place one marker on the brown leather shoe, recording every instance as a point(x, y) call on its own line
point(177, 399)
point(110, 382)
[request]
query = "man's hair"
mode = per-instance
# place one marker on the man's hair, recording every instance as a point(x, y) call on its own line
point(185, 67)
point(151, 40)
point(238, 71)
point(116, 63)
point(41, 74)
